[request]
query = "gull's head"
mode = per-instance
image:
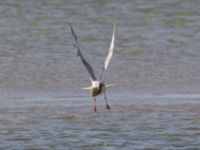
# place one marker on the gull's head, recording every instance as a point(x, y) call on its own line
point(95, 83)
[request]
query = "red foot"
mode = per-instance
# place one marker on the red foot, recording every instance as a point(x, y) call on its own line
point(107, 106)
point(94, 109)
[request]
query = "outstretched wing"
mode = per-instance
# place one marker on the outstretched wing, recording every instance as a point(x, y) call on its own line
point(109, 56)
point(80, 55)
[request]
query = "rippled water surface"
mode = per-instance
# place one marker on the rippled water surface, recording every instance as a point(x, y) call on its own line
point(155, 103)
point(150, 122)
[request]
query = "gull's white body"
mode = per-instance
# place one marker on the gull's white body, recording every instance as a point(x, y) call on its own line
point(97, 86)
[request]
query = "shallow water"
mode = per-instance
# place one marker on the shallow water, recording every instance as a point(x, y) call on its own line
point(150, 122)
point(155, 68)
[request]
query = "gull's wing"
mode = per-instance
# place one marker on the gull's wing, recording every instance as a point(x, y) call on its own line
point(80, 55)
point(109, 56)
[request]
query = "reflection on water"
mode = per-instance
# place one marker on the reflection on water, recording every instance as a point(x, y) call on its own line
point(157, 52)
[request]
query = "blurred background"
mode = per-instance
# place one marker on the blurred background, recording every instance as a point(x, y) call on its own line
point(156, 51)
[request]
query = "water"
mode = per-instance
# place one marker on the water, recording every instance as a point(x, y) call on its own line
point(155, 67)
point(149, 122)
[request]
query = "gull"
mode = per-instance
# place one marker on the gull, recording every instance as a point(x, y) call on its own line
point(98, 86)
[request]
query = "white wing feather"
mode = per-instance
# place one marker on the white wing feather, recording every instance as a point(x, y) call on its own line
point(109, 56)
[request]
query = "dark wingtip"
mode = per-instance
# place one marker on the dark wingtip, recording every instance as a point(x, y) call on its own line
point(71, 26)
point(72, 30)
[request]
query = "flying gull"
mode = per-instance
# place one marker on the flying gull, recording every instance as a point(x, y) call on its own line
point(98, 86)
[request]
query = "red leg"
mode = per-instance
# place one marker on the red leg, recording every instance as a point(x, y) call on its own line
point(107, 106)
point(94, 106)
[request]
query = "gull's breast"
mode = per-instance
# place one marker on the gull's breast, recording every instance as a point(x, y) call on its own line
point(95, 91)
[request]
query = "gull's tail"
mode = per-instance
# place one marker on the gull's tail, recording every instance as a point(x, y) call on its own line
point(87, 88)
point(109, 85)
